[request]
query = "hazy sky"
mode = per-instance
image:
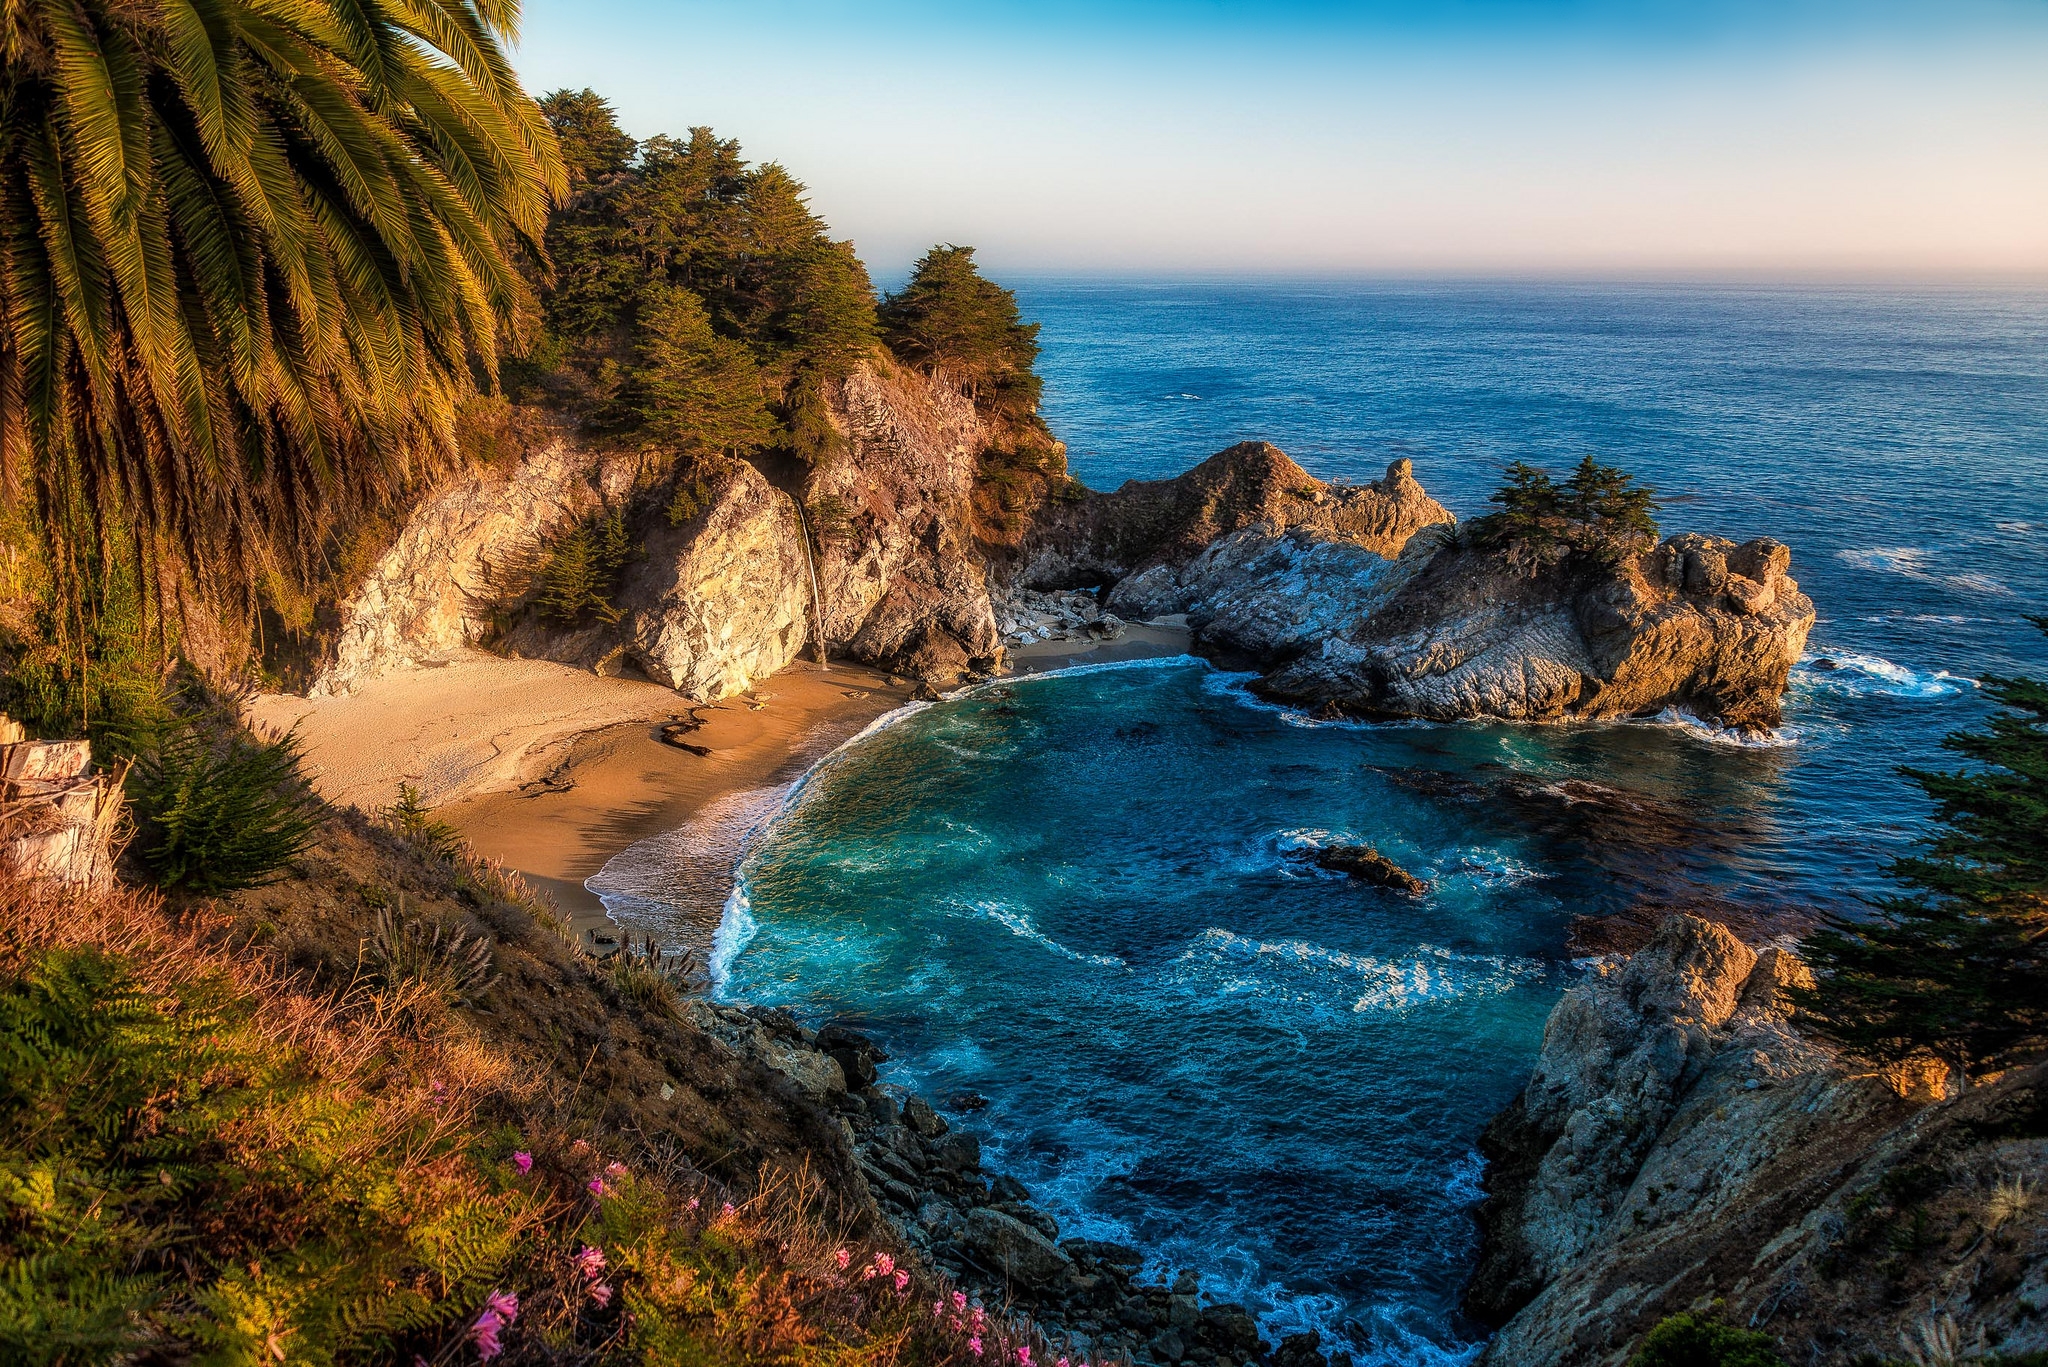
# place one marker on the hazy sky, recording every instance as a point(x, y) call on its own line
point(1801, 136)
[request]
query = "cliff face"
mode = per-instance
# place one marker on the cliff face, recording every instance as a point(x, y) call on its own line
point(707, 608)
point(1698, 623)
point(903, 583)
point(1680, 1142)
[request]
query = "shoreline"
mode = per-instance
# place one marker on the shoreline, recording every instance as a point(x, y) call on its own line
point(557, 772)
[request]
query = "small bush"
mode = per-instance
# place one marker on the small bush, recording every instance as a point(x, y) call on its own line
point(580, 571)
point(1693, 1340)
point(449, 964)
point(414, 821)
point(693, 494)
point(215, 815)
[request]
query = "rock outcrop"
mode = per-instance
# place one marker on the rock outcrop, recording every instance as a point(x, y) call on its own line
point(1147, 530)
point(437, 586)
point(903, 582)
point(1699, 623)
point(1681, 1143)
point(707, 608)
point(59, 818)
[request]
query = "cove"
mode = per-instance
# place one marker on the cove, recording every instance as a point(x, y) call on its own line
point(1075, 910)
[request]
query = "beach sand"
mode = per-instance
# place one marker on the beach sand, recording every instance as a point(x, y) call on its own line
point(554, 771)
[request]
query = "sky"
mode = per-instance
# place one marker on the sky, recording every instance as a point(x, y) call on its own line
point(1800, 138)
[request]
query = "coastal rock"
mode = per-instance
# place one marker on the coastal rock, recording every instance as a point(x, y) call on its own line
point(435, 588)
point(1467, 635)
point(1150, 525)
point(903, 582)
point(1681, 1142)
point(1014, 1250)
point(1368, 865)
point(708, 608)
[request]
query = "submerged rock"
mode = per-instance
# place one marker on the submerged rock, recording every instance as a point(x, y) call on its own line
point(1368, 865)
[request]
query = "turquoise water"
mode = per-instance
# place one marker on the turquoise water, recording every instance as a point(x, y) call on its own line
point(1071, 905)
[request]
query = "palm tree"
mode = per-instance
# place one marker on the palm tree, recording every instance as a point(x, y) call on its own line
point(254, 254)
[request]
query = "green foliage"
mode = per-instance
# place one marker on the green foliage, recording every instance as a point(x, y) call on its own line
point(91, 667)
point(214, 814)
point(951, 319)
point(695, 299)
point(693, 389)
point(135, 1116)
point(1959, 967)
point(580, 572)
point(412, 819)
point(254, 254)
point(1598, 512)
point(1693, 1340)
point(691, 495)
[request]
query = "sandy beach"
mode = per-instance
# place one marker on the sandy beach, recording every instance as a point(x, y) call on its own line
point(554, 770)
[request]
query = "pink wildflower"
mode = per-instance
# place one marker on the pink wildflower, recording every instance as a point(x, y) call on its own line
point(590, 1261)
point(902, 1281)
point(615, 1169)
point(580, 1146)
point(975, 1345)
point(600, 1295)
point(884, 1264)
point(938, 1308)
point(504, 1304)
point(522, 1163)
point(959, 1300)
point(484, 1334)
point(868, 1273)
point(843, 1258)
point(1023, 1357)
point(693, 1203)
point(597, 1186)
point(725, 1212)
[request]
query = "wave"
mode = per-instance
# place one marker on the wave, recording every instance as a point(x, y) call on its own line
point(1070, 671)
point(1850, 674)
point(1019, 924)
point(1701, 729)
point(736, 930)
point(1222, 683)
point(1915, 562)
point(1382, 986)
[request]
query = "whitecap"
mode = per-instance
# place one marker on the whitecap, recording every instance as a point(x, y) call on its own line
point(1373, 985)
point(1467, 1183)
point(1860, 676)
point(736, 930)
point(1700, 729)
point(1018, 923)
point(1916, 562)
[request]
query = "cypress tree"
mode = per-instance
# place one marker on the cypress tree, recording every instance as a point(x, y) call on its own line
point(1957, 967)
point(951, 319)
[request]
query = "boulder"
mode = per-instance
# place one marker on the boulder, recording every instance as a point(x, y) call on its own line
point(1012, 1249)
point(1368, 865)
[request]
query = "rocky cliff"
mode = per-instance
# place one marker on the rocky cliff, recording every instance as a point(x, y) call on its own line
point(1681, 1145)
point(1698, 623)
point(903, 581)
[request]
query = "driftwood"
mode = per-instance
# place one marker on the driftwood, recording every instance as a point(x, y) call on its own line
point(58, 818)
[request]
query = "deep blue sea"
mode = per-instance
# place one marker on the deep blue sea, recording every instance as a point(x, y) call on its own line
point(1073, 907)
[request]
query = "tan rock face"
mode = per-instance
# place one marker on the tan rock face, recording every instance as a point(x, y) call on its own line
point(1468, 636)
point(433, 589)
point(1681, 1141)
point(902, 581)
point(1147, 526)
point(708, 608)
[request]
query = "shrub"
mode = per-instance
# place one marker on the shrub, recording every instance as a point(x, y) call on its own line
point(450, 965)
point(414, 821)
point(693, 494)
point(1694, 1340)
point(214, 815)
point(580, 571)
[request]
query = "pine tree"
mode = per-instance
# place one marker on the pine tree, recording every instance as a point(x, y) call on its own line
point(1959, 967)
point(692, 387)
point(952, 320)
point(1603, 500)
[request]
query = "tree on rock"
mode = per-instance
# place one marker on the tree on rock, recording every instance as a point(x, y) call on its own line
point(692, 387)
point(1599, 512)
point(1959, 967)
point(951, 319)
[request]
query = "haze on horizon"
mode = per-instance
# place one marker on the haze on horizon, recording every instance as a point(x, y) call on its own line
point(1575, 137)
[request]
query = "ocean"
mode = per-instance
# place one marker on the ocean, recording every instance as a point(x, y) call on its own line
point(1075, 908)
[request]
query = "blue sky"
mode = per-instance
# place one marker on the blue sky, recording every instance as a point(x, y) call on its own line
point(1802, 138)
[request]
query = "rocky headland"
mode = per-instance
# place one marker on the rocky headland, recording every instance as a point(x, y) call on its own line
point(1683, 1146)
